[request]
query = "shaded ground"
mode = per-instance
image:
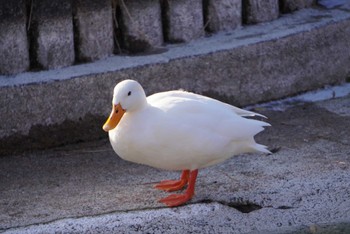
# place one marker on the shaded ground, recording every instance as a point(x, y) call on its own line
point(85, 188)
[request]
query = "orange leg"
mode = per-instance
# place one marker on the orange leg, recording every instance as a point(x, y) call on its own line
point(179, 199)
point(174, 185)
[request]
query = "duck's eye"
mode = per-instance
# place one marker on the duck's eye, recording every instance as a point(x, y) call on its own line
point(129, 93)
point(116, 111)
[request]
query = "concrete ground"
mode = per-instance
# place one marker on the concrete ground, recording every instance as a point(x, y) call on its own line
point(86, 188)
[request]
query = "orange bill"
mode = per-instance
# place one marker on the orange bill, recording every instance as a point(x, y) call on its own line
point(114, 118)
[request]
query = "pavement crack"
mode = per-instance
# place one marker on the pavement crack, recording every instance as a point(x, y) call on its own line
point(245, 208)
point(284, 207)
point(242, 206)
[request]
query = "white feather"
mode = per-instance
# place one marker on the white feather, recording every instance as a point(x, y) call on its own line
point(179, 130)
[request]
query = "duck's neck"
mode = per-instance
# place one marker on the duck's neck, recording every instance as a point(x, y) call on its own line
point(139, 106)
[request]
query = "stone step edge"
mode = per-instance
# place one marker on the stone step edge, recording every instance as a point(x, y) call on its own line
point(69, 105)
point(287, 25)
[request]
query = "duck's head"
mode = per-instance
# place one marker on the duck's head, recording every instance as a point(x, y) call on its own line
point(128, 96)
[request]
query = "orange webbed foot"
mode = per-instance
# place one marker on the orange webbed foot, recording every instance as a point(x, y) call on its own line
point(170, 185)
point(174, 185)
point(175, 199)
point(179, 199)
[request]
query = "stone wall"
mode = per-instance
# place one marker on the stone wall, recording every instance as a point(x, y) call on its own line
point(46, 34)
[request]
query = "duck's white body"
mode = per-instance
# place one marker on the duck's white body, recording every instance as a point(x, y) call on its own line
point(178, 130)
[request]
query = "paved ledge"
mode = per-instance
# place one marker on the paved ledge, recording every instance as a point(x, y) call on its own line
point(288, 25)
point(86, 188)
point(301, 51)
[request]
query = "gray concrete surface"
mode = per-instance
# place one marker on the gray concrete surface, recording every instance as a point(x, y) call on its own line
point(93, 29)
point(183, 20)
point(255, 11)
point(138, 28)
point(141, 25)
point(14, 49)
point(51, 34)
point(303, 185)
point(294, 5)
point(254, 64)
point(222, 15)
point(331, 3)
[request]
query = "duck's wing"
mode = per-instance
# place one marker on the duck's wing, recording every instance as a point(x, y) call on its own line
point(183, 95)
point(192, 110)
point(182, 129)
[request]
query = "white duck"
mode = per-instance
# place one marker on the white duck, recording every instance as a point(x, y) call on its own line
point(178, 130)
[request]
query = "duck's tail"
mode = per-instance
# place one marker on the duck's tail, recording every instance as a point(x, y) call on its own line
point(260, 148)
